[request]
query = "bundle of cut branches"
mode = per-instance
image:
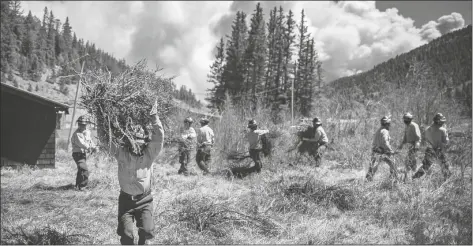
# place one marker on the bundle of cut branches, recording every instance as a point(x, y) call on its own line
point(237, 156)
point(122, 103)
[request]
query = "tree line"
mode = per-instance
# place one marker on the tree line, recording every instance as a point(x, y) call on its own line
point(263, 60)
point(447, 57)
point(30, 46)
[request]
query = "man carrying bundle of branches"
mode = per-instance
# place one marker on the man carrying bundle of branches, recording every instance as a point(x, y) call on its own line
point(134, 176)
point(186, 145)
point(205, 141)
point(126, 108)
point(314, 141)
point(381, 150)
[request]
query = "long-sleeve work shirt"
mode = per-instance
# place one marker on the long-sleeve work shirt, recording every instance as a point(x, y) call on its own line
point(205, 136)
point(436, 137)
point(382, 140)
point(411, 134)
point(81, 141)
point(254, 138)
point(134, 172)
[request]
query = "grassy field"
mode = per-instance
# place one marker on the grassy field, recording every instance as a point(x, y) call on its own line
point(281, 205)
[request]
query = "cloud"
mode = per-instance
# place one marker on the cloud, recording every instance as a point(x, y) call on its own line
point(448, 23)
point(444, 24)
point(181, 36)
point(429, 31)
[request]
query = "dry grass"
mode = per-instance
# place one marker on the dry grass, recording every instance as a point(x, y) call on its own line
point(281, 205)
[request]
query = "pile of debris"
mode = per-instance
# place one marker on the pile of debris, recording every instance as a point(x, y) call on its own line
point(123, 103)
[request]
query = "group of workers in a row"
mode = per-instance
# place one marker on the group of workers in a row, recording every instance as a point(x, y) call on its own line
point(134, 171)
point(315, 142)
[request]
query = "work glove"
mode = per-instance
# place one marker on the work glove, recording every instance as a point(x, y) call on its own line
point(417, 146)
point(154, 109)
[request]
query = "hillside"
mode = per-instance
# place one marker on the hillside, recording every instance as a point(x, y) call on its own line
point(444, 63)
point(45, 55)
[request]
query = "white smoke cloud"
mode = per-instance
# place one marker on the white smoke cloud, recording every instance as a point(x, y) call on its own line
point(181, 36)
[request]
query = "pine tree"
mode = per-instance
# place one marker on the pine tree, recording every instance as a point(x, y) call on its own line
point(279, 57)
point(28, 45)
point(45, 18)
point(74, 43)
point(255, 55)
point(5, 37)
point(217, 93)
point(288, 42)
point(234, 71)
point(271, 50)
point(300, 90)
point(51, 36)
point(67, 35)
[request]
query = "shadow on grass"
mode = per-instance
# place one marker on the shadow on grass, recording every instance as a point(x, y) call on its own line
point(41, 236)
point(42, 186)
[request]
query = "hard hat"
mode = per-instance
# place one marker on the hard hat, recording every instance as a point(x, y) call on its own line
point(252, 123)
point(204, 120)
point(385, 120)
point(439, 118)
point(188, 120)
point(83, 120)
point(317, 121)
point(407, 116)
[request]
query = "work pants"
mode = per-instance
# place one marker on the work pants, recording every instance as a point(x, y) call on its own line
point(203, 159)
point(131, 208)
point(255, 155)
point(376, 159)
point(430, 156)
point(82, 177)
point(411, 162)
point(184, 158)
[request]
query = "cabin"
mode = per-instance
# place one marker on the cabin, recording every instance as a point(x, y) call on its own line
point(28, 128)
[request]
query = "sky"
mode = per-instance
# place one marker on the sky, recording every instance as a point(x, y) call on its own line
point(180, 37)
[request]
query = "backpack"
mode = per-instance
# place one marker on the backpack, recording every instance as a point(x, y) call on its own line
point(266, 144)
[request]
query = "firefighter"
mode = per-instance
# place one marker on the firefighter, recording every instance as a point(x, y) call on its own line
point(205, 141)
point(135, 202)
point(316, 144)
point(82, 144)
point(382, 150)
point(254, 139)
point(436, 137)
point(412, 138)
point(186, 144)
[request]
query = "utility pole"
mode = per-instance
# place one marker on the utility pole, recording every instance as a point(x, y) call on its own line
point(292, 102)
point(75, 103)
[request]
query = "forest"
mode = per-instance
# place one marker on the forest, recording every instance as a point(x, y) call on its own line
point(30, 46)
point(264, 60)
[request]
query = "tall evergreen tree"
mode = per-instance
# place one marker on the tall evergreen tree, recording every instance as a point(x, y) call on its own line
point(288, 43)
point(255, 55)
point(217, 93)
point(50, 43)
point(301, 76)
point(234, 72)
point(67, 35)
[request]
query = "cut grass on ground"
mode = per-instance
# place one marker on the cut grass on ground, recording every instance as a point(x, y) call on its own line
point(295, 205)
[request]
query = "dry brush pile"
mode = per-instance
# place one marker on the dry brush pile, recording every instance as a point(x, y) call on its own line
point(121, 104)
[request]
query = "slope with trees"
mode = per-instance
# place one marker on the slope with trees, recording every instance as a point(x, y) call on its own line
point(32, 48)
